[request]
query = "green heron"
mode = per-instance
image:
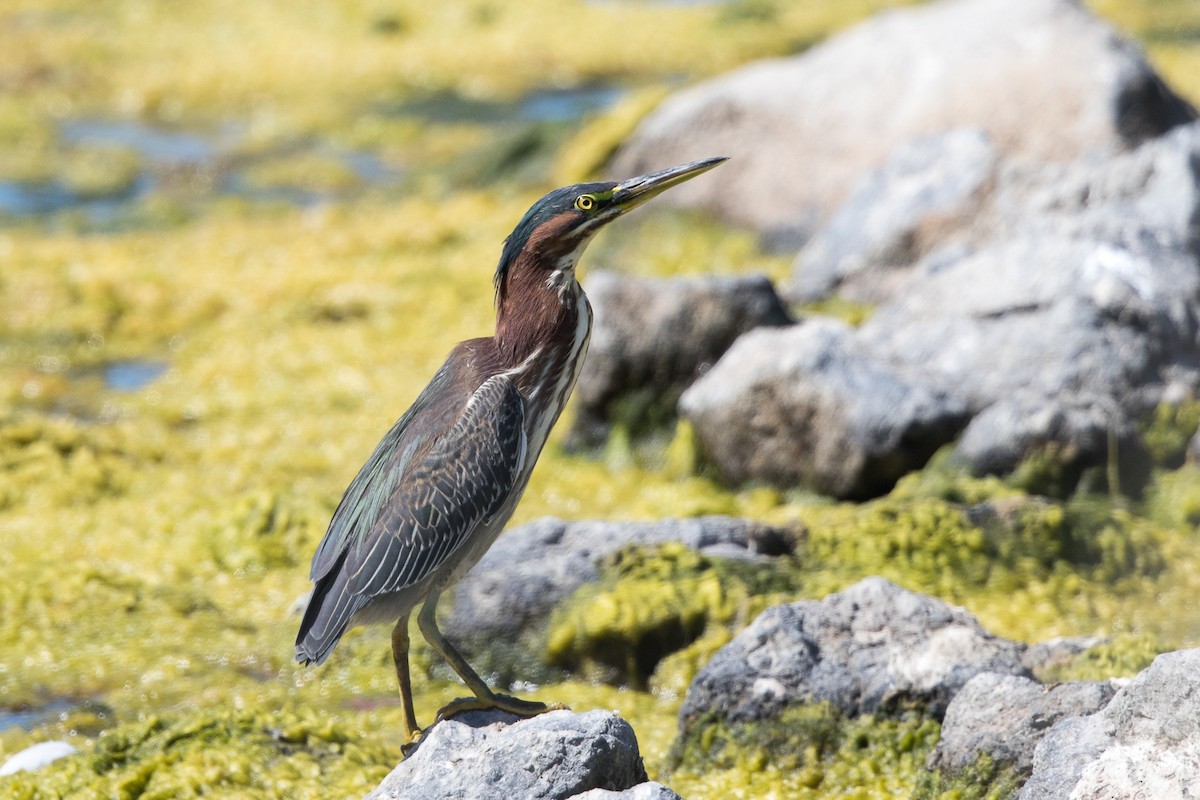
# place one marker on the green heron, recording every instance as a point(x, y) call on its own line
point(442, 483)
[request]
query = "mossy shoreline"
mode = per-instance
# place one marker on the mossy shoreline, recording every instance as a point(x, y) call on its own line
point(156, 538)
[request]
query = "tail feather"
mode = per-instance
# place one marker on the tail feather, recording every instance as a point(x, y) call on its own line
point(326, 617)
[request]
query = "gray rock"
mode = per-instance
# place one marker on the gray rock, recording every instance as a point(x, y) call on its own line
point(1005, 716)
point(653, 337)
point(1144, 744)
point(872, 649)
point(1066, 333)
point(1044, 312)
point(1157, 184)
point(1046, 79)
point(643, 791)
point(1083, 432)
point(493, 755)
point(952, 194)
point(507, 598)
point(805, 405)
point(895, 214)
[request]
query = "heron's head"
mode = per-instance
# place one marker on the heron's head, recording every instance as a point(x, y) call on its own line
point(554, 232)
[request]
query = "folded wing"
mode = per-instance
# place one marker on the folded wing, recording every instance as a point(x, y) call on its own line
point(413, 505)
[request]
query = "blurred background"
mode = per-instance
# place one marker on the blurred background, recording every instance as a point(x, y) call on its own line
point(237, 238)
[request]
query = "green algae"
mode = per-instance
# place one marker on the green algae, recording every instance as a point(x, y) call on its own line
point(983, 779)
point(838, 307)
point(812, 751)
point(1121, 656)
point(1173, 499)
point(652, 602)
point(1169, 429)
point(233, 754)
point(156, 540)
point(800, 737)
point(583, 157)
point(166, 581)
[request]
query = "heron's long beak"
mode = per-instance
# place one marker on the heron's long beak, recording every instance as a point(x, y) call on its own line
point(632, 193)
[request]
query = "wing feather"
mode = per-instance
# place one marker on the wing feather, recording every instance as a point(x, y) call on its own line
point(422, 510)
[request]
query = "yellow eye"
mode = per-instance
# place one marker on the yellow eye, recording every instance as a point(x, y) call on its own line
point(585, 202)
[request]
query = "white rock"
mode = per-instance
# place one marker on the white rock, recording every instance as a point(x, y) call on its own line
point(34, 758)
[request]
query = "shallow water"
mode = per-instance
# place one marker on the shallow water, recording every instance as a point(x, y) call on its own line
point(129, 376)
point(193, 166)
point(28, 719)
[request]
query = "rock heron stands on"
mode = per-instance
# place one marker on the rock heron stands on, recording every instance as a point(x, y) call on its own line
point(446, 478)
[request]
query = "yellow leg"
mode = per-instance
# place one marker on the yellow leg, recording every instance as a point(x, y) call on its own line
point(484, 697)
point(400, 656)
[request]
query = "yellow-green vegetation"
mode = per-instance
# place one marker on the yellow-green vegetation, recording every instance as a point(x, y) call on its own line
point(1167, 30)
point(652, 602)
point(156, 538)
point(810, 752)
point(1168, 432)
point(238, 754)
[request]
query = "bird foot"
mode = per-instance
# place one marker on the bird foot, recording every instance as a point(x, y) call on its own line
point(412, 741)
point(504, 702)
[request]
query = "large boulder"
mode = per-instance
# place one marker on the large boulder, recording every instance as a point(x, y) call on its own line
point(952, 194)
point(1060, 316)
point(895, 214)
point(873, 649)
point(1144, 744)
point(806, 405)
point(1063, 335)
point(1005, 716)
point(494, 755)
point(1051, 309)
point(1156, 184)
point(653, 336)
point(501, 608)
point(1074, 433)
point(1045, 79)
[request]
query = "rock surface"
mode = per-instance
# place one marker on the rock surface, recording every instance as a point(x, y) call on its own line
point(510, 594)
point(871, 649)
point(652, 337)
point(944, 196)
point(1144, 744)
point(1046, 79)
point(1005, 716)
point(895, 214)
point(806, 405)
point(1054, 325)
point(1057, 335)
point(494, 755)
point(1051, 310)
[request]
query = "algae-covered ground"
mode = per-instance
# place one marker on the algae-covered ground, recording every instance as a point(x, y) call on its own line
point(204, 339)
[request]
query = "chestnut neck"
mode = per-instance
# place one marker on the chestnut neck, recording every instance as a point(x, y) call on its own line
point(537, 313)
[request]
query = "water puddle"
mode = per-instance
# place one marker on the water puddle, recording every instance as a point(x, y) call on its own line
point(129, 376)
point(542, 105)
point(565, 105)
point(189, 167)
point(158, 145)
point(28, 719)
point(137, 162)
